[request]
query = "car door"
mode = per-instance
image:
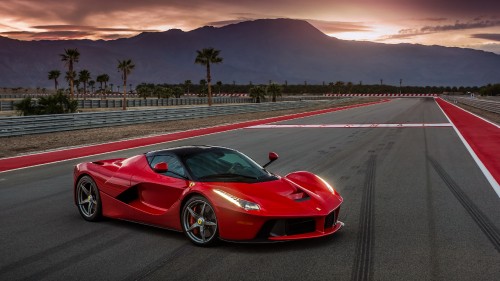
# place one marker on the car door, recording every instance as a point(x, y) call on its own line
point(160, 190)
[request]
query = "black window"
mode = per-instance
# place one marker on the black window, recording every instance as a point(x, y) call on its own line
point(220, 164)
point(175, 168)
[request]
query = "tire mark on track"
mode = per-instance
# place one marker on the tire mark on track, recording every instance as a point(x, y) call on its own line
point(431, 220)
point(16, 206)
point(203, 266)
point(162, 261)
point(486, 226)
point(89, 252)
point(362, 269)
point(58, 248)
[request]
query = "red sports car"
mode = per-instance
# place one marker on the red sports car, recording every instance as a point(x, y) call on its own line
point(209, 193)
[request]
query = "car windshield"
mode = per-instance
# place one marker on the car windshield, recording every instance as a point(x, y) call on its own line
point(224, 165)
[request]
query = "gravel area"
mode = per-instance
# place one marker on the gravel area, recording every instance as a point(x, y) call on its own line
point(12, 146)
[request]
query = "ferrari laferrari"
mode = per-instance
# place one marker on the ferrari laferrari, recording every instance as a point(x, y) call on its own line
point(209, 193)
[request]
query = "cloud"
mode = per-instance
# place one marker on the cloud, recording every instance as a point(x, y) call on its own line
point(487, 36)
point(339, 26)
point(431, 19)
point(65, 32)
point(113, 36)
point(461, 26)
point(241, 17)
point(48, 35)
point(15, 33)
point(226, 22)
point(408, 33)
point(8, 27)
point(327, 27)
point(494, 48)
point(67, 27)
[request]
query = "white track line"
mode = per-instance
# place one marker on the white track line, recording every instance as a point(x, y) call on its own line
point(494, 184)
point(397, 125)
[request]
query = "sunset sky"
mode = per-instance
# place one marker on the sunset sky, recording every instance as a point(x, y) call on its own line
point(461, 23)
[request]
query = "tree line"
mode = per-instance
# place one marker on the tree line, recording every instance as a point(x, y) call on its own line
point(200, 88)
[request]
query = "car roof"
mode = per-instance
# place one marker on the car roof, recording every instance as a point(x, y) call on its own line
point(185, 150)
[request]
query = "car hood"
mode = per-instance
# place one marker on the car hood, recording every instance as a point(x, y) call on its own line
point(281, 197)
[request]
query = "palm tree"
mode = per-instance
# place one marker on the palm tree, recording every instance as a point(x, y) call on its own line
point(54, 74)
point(349, 86)
point(203, 83)
point(70, 78)
point(105, 79)
point(70, 56)
point(144, 90)
point(206, 57)
point(339, 84)
point(274, 90)
point(100, 80)
point(162, 92)
point(125, 66)
point(177, 91)
point(219, 86)
point(84, 77)
point(91, 85)
point(77, 86)
point(187, 83)
point(257, 93)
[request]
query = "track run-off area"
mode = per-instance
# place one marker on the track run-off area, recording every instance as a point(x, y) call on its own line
point(419, 204)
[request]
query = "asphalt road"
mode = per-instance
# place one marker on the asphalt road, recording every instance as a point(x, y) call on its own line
point(416, 208)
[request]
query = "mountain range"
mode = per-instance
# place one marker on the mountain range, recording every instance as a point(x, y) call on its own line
point(258, 51)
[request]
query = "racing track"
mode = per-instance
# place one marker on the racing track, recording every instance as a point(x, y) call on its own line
point(416, 207)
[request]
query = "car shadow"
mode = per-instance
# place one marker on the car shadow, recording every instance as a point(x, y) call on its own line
point(338, 238)
point(272, 247)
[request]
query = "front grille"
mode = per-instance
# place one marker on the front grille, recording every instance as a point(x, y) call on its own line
point(330, 220)
point(299, 226)
point(287, 227)
point(293, 226)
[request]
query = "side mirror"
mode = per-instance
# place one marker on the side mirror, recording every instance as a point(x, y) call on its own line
point(160, 167)
point(273, 156)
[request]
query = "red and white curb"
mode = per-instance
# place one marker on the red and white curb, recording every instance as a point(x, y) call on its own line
point(387, 95)
point(383, 125)
point(493, 182)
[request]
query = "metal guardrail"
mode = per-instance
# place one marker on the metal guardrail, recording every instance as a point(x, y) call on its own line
point(493, 98)
point(8, 105)
point(27, 125)
point(489, 105)
point(89, 96)
point(117, 103)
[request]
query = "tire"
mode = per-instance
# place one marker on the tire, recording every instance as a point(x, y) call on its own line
point(88, 199)
point(199, 221)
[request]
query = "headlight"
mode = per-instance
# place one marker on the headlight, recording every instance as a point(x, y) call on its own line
point(327, 185)
point(247, 205)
